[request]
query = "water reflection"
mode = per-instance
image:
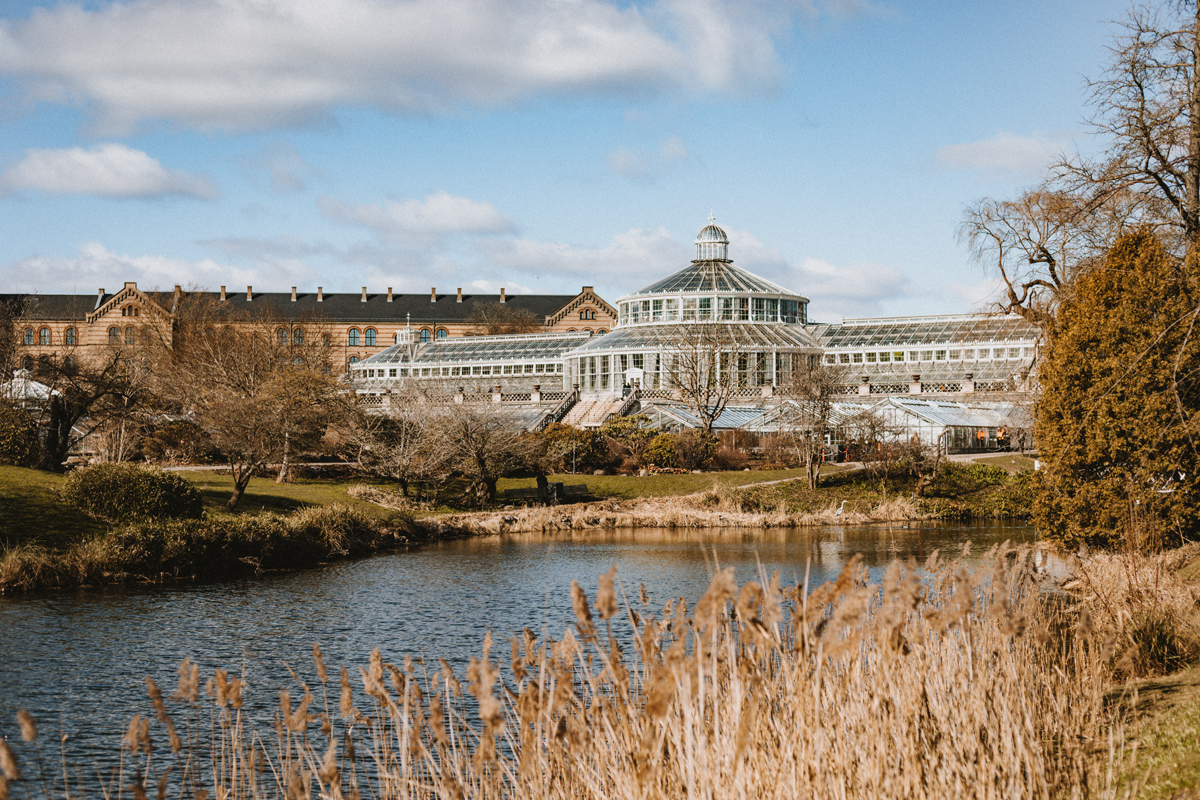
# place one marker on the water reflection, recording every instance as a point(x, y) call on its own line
point(78, 660)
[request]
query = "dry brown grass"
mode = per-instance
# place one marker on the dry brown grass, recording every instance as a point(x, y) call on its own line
point(720, 507)
point(933, 684)
point(1142, 607)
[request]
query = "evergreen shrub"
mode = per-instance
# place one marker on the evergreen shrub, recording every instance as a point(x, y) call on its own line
point(125, 492)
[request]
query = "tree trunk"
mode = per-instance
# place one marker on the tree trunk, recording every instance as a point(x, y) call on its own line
point(283, 468)
point(1192, 178)
point(241, 479)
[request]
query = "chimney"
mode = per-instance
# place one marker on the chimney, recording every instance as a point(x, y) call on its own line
point(389, 294)
point(222, 294)
point(364, 294)
point(99, 297)
point(320, 295)
point(502, 298)
point(433, 294)
point(293, 294)
point(460, 294)
point(249, 293)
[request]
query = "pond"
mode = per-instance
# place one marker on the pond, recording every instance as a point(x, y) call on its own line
point(78, 661)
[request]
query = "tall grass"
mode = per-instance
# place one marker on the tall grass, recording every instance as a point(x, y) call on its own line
point(933, 683)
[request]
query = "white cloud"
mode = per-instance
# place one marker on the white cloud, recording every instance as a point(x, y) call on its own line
point(106, 170)
point(631, 260)
point(423, 222)
point(286, 169)
point(642, 165)
point(96, 266)
point(857, 290)
point(251, 64)
point(1021, 156)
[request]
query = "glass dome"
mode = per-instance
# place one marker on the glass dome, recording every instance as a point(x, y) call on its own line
point(712, 244)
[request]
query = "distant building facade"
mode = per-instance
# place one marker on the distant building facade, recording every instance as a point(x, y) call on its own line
point(56, 326)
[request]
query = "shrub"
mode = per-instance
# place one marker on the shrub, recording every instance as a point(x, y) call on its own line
point(694, 448)
point(179, 441)
point(661, 450)
point(18, 437)
point(124, 492)
point(729, 458)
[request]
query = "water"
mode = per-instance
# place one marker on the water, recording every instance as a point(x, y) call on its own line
point(78, 661)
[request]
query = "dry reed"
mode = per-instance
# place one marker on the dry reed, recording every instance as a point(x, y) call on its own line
point(934, 683)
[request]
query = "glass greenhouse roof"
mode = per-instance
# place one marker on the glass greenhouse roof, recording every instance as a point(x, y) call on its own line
point(925, 330)
point(743, 336)
point(713, 276)
point(481, 349)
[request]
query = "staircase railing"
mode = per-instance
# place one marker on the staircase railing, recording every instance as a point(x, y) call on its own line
point(559, 411)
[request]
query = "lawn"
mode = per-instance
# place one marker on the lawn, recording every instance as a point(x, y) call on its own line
point(1009, 461)
point(31, 513)
point(629, 486)
point(264, 494)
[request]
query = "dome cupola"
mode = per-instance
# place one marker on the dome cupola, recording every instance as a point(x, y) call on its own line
point(712, 244)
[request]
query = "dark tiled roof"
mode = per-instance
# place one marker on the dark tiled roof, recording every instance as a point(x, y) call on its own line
point(348, 306)
point(50, 306)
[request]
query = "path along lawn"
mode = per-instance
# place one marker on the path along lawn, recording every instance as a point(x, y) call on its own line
point(630, 486)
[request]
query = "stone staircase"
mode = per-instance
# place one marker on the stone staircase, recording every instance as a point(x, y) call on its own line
point(591, 412)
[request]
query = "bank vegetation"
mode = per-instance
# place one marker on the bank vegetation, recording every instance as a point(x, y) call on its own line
point(935, 682)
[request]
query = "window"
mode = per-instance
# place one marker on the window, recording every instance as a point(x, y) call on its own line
point(129, 336)
point(70, 337)
point(830, 358)
point(927, 355)
point(370, 337)
point(1014, 352)
point(843, 358)
point(442, 333)
point(870, 358)
point(27, 363)
point(353, 359)
point(352, 337)
point(858, 358)
point(281, 336)
point(587, 313)
point(939, 355)
point(885, 358)
point(44, 336)
point(28, 338)
point(327, 340)
point(955, 355)
point(391, 373)
point(897, 356)
point(424, 335)
point(297, 337)
point(114, 335)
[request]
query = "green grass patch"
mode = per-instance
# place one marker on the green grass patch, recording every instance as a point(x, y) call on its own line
point(265, 495)
point(31, 511)
point(1168, 759)
point(1009, 462)
point(631, 486)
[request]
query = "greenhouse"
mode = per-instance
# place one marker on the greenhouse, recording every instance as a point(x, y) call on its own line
point(711, 317)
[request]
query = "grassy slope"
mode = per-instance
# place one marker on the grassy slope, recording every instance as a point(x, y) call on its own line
point(264, 494)
point(31, 513)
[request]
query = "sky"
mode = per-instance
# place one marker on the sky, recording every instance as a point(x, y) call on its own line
point(536, 145)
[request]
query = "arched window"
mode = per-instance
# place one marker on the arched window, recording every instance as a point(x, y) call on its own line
point(114, 335)
point(602, 331)
point(571, 331)
point(352, 338)
point(28, 337)
point(129, 336)
point(281, 336)
point(587, 313)
point(27, 363)
point(44, 336)
point(70, 337)
point(327, 340)
point(43, 365)
point(297, 337)
point(353, 360)
point(424, 335)
point(442, 333)
point(370, 337)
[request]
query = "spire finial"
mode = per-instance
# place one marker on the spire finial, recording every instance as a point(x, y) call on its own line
point(711, 218)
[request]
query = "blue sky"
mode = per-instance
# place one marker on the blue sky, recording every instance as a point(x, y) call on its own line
point(538, 145)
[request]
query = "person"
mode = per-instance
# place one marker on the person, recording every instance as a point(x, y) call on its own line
point(625, 391)
point(1002, 437)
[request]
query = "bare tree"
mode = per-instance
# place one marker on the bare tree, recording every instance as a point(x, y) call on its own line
point(399, 443)
point(258, 383)
point(1146, 109)
point(498, 319)
point(706, 363)
point(482, 442)
point(806, 413)
point(878, 445)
